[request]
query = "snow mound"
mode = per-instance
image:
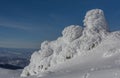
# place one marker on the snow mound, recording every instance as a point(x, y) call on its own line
point(75, 41)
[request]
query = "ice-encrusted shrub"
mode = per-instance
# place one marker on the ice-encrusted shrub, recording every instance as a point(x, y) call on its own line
point(95, 30)
point(71, 33)
point(95, 19)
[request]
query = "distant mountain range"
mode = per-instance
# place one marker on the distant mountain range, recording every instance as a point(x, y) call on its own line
point(14, 58)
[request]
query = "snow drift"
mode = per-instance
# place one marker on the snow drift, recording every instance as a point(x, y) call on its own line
point(75, 41)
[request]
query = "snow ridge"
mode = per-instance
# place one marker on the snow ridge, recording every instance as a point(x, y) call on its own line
point(74, 41)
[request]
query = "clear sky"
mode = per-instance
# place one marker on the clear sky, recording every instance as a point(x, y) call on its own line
point(26, 23)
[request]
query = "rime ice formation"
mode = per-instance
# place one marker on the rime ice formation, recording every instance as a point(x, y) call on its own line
point(95, 19)
point(75, 41)
point(71, 33)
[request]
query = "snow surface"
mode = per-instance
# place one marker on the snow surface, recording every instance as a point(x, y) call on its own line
point(89, 52)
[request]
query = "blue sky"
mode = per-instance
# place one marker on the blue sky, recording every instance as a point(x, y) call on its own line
point(26, 23)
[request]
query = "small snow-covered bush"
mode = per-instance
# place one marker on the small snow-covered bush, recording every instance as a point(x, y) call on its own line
point(71, 33)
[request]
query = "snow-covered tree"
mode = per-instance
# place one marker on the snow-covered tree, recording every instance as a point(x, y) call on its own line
point(75, 40)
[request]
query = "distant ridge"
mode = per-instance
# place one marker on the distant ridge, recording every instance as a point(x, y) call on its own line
point(8, 66)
